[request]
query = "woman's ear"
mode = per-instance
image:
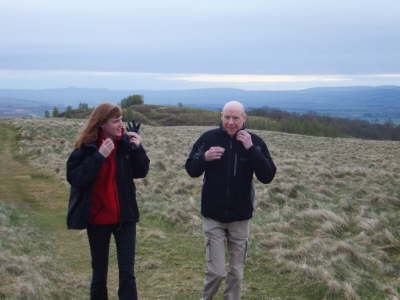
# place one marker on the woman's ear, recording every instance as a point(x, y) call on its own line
point(101, 125)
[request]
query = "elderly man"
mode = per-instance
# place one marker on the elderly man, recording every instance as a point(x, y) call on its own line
point(228, 156)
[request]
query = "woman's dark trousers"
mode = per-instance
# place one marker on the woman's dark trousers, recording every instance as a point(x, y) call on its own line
point(99, 240)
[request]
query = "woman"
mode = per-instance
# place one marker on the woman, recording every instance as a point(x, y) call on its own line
point(102, 200)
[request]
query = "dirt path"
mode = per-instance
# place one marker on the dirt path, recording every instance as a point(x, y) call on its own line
point(39, 195)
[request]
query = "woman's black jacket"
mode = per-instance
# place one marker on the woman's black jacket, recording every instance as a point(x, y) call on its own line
point(227, 194)
point(84, 164)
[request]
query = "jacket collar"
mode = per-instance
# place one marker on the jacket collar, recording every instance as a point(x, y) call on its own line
point(117, 139)
point(100, 138)
point(222, 129)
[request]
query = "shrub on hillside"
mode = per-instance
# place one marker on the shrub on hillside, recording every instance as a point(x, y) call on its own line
point(132, 100)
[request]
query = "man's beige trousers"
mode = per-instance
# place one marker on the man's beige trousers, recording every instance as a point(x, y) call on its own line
point(234, 236)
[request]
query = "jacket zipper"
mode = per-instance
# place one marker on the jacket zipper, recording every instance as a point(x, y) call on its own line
point(118, 208)
point(228, 192)
point(117, 180)
point(235, 165)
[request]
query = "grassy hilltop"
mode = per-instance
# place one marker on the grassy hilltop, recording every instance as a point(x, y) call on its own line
point(260, 118)
point(327, 227)
point(161, 115)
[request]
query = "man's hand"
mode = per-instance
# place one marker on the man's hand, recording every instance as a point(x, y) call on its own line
point(134, 138)
point(214, 153)
point(244, 137)
point(106, 147)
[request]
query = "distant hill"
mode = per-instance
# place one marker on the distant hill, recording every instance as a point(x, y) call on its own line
point(367, 103)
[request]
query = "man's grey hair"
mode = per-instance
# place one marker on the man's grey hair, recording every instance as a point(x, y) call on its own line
point(234, 104)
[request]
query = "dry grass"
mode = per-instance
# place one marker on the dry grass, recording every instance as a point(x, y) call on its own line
point(330, 218)
point(28, 270)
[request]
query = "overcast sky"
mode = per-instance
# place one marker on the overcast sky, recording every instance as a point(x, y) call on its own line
point(159, 44)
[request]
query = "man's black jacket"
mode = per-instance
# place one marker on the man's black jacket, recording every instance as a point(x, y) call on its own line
point(227, 193)
point(84, 164)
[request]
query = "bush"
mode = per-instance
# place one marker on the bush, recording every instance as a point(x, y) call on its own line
point(132, 100)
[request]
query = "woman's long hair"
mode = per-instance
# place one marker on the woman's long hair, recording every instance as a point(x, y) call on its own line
point(100, 115)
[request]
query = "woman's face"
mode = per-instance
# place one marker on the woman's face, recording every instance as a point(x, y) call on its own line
point(113, 127)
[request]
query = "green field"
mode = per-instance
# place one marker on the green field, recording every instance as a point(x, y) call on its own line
point(326, 228)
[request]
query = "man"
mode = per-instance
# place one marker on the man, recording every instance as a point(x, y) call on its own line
point(228, 156)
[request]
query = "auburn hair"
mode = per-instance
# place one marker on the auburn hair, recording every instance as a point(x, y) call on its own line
point(99, 116)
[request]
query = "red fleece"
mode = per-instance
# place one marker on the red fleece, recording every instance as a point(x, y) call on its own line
point(105, 203)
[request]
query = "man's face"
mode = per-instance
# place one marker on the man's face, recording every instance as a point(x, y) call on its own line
point(113, 127)
point(233, 120)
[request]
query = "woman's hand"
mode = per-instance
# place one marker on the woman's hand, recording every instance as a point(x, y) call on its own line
point(134, 138)
point(106, 147)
